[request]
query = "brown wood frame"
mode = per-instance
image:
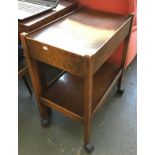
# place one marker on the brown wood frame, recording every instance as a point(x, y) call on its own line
point(84, 67)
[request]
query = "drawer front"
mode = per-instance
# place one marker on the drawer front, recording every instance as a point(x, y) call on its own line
point(56, 57)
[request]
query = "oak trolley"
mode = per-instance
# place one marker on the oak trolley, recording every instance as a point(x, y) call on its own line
point(79, 44)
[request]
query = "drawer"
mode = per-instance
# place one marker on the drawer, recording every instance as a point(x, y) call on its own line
point(56, 57)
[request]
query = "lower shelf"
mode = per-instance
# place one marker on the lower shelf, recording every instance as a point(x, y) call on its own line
point(67, 91)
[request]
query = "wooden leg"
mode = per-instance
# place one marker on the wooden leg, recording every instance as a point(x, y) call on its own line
point(120, 90)
point(36, 83)
point(27, 84)
point(123, 60)
point(45, 111)
point(88, 84)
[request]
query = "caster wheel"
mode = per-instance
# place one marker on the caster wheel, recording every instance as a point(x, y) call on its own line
point(45, 123)
point(89, 148)
point(120, 91)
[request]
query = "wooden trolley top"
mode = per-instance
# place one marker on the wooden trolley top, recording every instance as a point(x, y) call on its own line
point(65, 42)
